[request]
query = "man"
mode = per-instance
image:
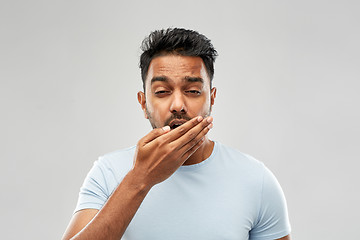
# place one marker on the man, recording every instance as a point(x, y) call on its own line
point(177, 183)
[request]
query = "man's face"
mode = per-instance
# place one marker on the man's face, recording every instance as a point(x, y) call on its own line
point(177, 88)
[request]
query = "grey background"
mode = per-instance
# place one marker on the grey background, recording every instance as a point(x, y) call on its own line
point(287, 78)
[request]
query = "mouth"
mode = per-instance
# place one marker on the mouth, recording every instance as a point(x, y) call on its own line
point(176, 123)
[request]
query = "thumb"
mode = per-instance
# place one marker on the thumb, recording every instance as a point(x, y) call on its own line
point(155, 133)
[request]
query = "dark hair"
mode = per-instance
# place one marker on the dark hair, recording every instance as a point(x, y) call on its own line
point(177, 41)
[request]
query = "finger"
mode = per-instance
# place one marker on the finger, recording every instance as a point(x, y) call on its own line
point(194, 141)
point(155, 133)
point(181, 130)
point(191, 151)
point(194, 134)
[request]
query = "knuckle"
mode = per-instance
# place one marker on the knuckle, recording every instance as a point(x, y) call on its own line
point(171, 148)
point(152, 132)
point(194, 141)
point(204, 123)
point(157, 131)
point(192, 135)
point(194, 123)
point(160, 142)
point(205, 130)
point(181, 129)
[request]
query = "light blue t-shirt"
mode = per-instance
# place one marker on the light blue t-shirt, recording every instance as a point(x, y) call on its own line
point(228, 196)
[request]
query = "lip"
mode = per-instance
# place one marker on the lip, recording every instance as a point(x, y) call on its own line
point(175, 122)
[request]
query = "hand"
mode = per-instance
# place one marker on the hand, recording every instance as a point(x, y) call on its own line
point(161, 152)
point(157, 156)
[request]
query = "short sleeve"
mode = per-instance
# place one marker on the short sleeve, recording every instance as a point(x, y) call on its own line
point(93, 193)
point(273, 221)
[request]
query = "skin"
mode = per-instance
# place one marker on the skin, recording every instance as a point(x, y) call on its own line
point(177, 87)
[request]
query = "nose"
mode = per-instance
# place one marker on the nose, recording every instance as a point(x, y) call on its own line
point(178, 103)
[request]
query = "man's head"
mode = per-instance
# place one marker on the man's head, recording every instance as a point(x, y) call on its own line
point(177, 67)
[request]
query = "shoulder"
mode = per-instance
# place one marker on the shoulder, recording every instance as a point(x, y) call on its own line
point(240, 167)
point(116, 163)
point(238, 159)
point(253, 169)
point(262, 188)
point(118, 156)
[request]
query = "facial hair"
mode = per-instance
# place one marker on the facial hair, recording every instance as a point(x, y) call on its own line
point(174, 116)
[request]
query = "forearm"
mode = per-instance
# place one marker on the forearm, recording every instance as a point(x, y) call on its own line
point(158, 155)
point(113, 219)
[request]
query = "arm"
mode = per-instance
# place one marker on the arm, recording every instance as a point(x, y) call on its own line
point(112, 220)
point(78, 221)
point(157, 157)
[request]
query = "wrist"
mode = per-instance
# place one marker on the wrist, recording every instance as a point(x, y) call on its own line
point(138, 182)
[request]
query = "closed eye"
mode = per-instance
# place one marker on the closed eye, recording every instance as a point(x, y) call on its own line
point(193, 92)
point(162, 92)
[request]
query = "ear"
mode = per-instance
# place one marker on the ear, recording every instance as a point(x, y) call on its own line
point(142, 101)
point(212, 95)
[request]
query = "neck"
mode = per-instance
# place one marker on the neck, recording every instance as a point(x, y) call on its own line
point(202, 153)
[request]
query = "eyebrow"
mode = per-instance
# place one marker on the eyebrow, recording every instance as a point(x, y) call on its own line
point(159, 79)
point(194, 79)
point(166, 79)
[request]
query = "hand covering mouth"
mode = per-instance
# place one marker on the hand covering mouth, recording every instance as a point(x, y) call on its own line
point(176, 123)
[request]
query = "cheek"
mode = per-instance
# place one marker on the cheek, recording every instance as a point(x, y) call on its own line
point(200, 105)
point(157, 110)
point(157, 106)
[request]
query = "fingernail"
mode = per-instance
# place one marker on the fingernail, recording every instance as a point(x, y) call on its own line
point(210, 126)
point(209, 120)
point(199, 118)
point(166, 128)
